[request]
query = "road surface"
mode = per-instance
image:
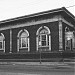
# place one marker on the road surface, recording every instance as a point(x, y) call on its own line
point(21, 69)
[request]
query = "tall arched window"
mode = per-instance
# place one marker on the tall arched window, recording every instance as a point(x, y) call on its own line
point(2, 42)
point(73, 40)
point(69, 39)
point(23, 40)
point(43, 38)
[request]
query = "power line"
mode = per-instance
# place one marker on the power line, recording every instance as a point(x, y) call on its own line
point(70, 6)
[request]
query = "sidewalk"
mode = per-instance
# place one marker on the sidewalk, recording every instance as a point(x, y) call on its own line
point(64, 64)
point(9, 73)
point(59, 64)
point(43, 65)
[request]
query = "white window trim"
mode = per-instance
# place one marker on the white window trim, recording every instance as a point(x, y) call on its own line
point(50, 42)
point(28, 45)
point(10, 41)
point(18, 46)
point(37, 43)
point(73, 41)
point(42, 40)
point(60, 37)
point(37, 34)
point(21, 43)
point(3, 43)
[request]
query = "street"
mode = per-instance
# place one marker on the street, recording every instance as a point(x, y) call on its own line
point(22, 69)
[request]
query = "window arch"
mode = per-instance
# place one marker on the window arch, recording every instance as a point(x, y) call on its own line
point(23, 40)
point(43, 38)
point(2, 42)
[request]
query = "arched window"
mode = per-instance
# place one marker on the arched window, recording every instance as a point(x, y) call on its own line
point(23, 40)
point(69, 39)
point(73, 40)
point(43, 38)
point(2, 42)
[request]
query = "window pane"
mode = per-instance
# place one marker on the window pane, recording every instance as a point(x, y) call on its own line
point(44, 31)
point(39, 38)
point(24, 42)
point(19, 42)
point(43, 37)
point(24, 34)
point(48, 40)
point(73, 42)
point(1, 38)
point(43, 43)
point(68, 44)
point(0, 45)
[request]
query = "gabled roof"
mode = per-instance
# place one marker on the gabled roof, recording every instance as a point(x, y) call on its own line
point(63, 10)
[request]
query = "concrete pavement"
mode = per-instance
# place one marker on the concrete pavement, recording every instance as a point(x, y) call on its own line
point(9, 73)
point(35, 68)
point(59, 64)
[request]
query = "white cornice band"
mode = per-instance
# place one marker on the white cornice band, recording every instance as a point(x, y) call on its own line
point(54, 19)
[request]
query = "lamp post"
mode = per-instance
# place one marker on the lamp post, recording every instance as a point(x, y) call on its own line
point(40, 56)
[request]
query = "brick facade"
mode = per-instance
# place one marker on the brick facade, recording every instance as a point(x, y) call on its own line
point(32, 24)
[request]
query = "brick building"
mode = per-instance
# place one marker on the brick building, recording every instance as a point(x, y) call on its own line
point(49, 33)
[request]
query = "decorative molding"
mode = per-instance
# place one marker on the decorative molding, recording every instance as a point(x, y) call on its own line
point(63, 20)
point(10, 41)
point(50, 42)
point(20, 18)
point(22, 31)
point(4, 45)
point(17, 44)
point(3, 42)
point(60, 36)
point(28, 45)
point(18, 40)
point(37, 36)
point(33, 22)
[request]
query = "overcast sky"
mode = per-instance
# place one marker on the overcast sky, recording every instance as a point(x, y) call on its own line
point(16, 8)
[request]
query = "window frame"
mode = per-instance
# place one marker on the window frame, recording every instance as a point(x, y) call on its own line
point(21, 42)
point(2, 45)
point(3, 42)
point(48, 38)
point(19, 39)
point(43, 40)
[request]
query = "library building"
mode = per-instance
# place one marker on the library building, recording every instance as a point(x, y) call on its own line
point(50, 34)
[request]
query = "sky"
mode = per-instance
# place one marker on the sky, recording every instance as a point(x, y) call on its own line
point(16, 8)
